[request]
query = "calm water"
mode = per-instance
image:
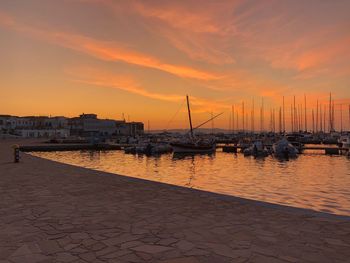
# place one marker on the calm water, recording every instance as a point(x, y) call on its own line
point(312, 180)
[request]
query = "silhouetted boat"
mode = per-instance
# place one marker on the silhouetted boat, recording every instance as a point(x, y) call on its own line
point(191, 144)
point(257, 149)
point(284, 149)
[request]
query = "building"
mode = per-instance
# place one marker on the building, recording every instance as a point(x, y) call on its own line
point(89, 125)
point(34, 126)
point(130, 128)
point(86, 125)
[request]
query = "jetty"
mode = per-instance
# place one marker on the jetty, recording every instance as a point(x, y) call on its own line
point(54, 212)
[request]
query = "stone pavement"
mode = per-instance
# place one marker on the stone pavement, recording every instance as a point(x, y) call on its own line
point(52, 212)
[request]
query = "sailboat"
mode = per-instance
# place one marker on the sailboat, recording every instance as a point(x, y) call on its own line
point(192, 144)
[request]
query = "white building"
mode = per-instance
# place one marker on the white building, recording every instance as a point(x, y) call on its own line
point(46, 133)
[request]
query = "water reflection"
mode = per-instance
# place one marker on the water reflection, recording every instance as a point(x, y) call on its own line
point(313, 181)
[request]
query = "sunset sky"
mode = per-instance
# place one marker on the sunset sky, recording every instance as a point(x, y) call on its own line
point(141, 58)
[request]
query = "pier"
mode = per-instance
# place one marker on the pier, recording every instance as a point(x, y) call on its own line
point(69, 147)
point(53, 212)
point(326, 149)
point(45, 147)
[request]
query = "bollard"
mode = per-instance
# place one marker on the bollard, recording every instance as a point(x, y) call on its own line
point(16, 153)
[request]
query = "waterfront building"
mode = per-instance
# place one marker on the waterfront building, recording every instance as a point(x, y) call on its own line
point(86, 125)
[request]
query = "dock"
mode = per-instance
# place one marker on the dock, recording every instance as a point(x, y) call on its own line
point(327, 149)
point(69, 147)
point(54, 212)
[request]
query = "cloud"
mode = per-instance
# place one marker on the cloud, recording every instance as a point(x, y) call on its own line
point(108, 51)
point(198, 31)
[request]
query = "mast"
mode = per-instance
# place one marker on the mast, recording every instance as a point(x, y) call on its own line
point(212, 123)
point(305, 112)
point(341, 118)
point(284, 123)
point(280, 120)
point(333, 121)
point(313, 121)
point(262, 115)
point(295, 120)
point(243, 115)
point(233, 118)
point(252, 124)
point(349, 117)
point(324, 118)
point(321, 126)
point(317, 116)
point(291, 118)
point(330, 112)
point(189, 115)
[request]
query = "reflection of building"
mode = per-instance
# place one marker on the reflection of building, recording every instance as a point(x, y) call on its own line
point(85, 125)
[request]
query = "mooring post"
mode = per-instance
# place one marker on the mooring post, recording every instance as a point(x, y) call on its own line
point(16, 153)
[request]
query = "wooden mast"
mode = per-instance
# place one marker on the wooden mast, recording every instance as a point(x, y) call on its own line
point(189, 115)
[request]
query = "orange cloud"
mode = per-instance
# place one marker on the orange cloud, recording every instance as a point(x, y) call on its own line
point(199, 33)
point(93, 76)
point(109, 51)
point(324, 54)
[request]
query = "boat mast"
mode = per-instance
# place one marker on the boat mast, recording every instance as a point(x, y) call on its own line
point(305, 113)
point(189, 115)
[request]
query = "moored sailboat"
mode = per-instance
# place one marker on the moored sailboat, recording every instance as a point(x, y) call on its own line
point(192, 144)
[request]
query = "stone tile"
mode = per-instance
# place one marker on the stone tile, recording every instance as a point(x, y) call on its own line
point(181, 260)
point(152, 249)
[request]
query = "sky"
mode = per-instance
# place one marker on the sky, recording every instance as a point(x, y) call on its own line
point(139, 59)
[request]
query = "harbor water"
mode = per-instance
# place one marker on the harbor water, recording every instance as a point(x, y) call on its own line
point(313, 181)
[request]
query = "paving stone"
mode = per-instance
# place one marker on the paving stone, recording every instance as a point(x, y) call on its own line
point(54, 213)
point(152, 249)
point(66, 257)
point(181, 260)
point(49, 247)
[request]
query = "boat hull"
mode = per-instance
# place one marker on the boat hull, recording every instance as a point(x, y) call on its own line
point(183, 148)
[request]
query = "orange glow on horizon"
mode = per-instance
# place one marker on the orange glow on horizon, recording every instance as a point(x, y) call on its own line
point(141, 58)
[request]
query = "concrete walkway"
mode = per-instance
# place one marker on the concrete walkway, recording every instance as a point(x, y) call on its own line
point(52, 212)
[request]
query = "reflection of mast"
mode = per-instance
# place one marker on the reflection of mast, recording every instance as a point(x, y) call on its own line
point(189, 115)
